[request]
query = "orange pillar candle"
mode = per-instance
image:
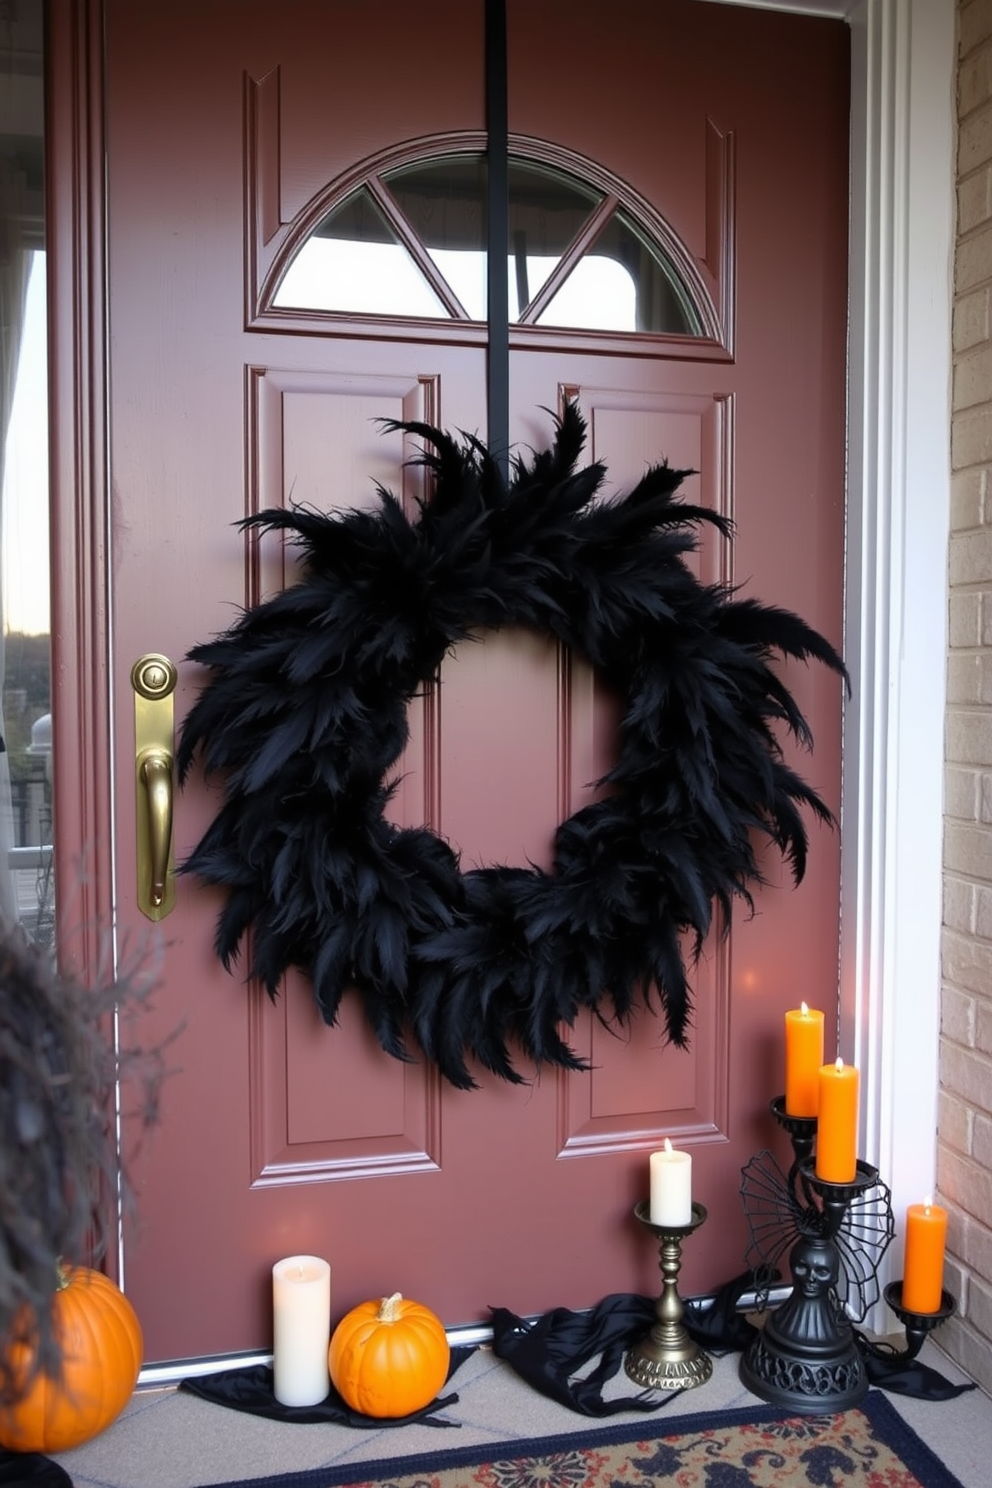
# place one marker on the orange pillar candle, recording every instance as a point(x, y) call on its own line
point(923, 1268)
point(803, 1058)
point(837, 1124)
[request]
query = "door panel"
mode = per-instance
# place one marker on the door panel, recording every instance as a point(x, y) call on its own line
point(279, 1135)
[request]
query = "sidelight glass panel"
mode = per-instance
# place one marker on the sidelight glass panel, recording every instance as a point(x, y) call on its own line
point(27, 889)
point(624, 283)
point(353, 262)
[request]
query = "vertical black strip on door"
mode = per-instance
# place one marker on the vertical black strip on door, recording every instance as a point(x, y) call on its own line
point(498, 362)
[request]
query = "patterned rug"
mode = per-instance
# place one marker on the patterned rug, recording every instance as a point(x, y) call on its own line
point(760, 1447)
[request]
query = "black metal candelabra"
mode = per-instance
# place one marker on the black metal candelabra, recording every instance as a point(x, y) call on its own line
point(807, 1357)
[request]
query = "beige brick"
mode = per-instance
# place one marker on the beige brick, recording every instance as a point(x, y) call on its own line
point(975, 81)
point(955, 1121)
point(971, 438)
point(964, 677)
point(981, 1148)
point(980, 1307)
point(969, 736)
point(973, 261)
point(974, 27)
point(967, 1075)
point(965, 620)
point(973, 377)
point(970, 557)
point(969, 1185)
point(975, 199)
point(985, 798)
point(969, 1241)
point(975, 139)
point(983, 1020)
point(957, 1016)
point(971, 320)
point(967, 963)
point(962, 793)
point(956, 1280)
point(983, 911)
point(959, 905)
point(968, 488)
point(969, 1349)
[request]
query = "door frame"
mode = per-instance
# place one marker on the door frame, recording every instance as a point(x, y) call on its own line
point(898, 505)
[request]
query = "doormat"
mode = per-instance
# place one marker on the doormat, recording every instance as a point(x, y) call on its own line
point(755, 1447)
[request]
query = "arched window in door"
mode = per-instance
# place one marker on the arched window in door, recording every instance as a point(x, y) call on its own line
point(409, 240)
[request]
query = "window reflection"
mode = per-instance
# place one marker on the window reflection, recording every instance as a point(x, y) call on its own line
point(355, 260)
point(445, 203)
point(26, 883)
point(623, 284)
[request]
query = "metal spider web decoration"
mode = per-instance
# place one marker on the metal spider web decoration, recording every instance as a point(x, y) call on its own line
point(782, 1208)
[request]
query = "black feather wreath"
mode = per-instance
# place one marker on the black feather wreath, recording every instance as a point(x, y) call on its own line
point(305, 714)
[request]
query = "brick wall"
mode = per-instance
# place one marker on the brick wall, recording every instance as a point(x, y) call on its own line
point(964, 1172)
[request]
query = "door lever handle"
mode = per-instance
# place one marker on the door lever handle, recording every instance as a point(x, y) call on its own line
point(153, 678)
point(156, 773)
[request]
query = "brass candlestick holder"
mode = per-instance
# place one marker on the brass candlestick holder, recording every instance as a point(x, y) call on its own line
point(667, 1358)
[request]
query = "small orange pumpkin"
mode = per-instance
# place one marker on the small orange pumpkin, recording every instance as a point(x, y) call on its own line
point(100, 1339)
point(389, 1357)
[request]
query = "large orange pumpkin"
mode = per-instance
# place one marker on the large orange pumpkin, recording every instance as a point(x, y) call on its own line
point(101, 1343)
point(389, 1357)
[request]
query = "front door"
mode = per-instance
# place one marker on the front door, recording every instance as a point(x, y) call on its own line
point(228, 126)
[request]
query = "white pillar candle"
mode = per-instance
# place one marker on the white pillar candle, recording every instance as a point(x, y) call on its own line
point(671, 1187)
point(301, 1308)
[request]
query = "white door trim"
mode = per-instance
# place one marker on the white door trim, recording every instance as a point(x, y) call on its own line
point(902, 238)
point(903, 62)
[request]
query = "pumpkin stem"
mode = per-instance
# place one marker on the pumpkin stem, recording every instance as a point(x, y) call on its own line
point(389, 1308)
point(61, 1275)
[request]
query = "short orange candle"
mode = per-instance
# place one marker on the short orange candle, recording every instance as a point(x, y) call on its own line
point(923, 1268)
point(803, 1058)
point(837, 1123)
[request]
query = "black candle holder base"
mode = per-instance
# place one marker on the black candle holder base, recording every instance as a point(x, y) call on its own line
point(806, 1358)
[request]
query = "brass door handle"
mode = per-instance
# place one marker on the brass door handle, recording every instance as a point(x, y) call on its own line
point(153, 678)
point(156, 774)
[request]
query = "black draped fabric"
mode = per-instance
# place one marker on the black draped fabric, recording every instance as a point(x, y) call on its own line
point(551, 1351)
point(20, 1468)
point(899, 1375)
point(250, 1390)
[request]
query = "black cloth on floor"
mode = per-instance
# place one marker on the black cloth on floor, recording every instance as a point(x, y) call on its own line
point(550, 1351)
point(902, 1376)
point(17, 1468)
point(250, 1389)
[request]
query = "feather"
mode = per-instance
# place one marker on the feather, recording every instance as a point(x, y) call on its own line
point(303, 716)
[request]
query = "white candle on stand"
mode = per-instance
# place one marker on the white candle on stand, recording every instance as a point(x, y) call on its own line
point(671, 1187)
point(301, 1314)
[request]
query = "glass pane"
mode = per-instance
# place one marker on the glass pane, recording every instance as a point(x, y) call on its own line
point(547, 210)
point(445, 203)
point(353, 262)
point(26, 882)
point(623, 284)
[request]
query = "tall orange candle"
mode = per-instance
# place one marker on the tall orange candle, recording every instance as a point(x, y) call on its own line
point(837, 1123)
point(803, 1058)
point(923, 1268)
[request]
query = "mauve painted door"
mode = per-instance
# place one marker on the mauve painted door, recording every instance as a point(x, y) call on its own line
point(279, 1135)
